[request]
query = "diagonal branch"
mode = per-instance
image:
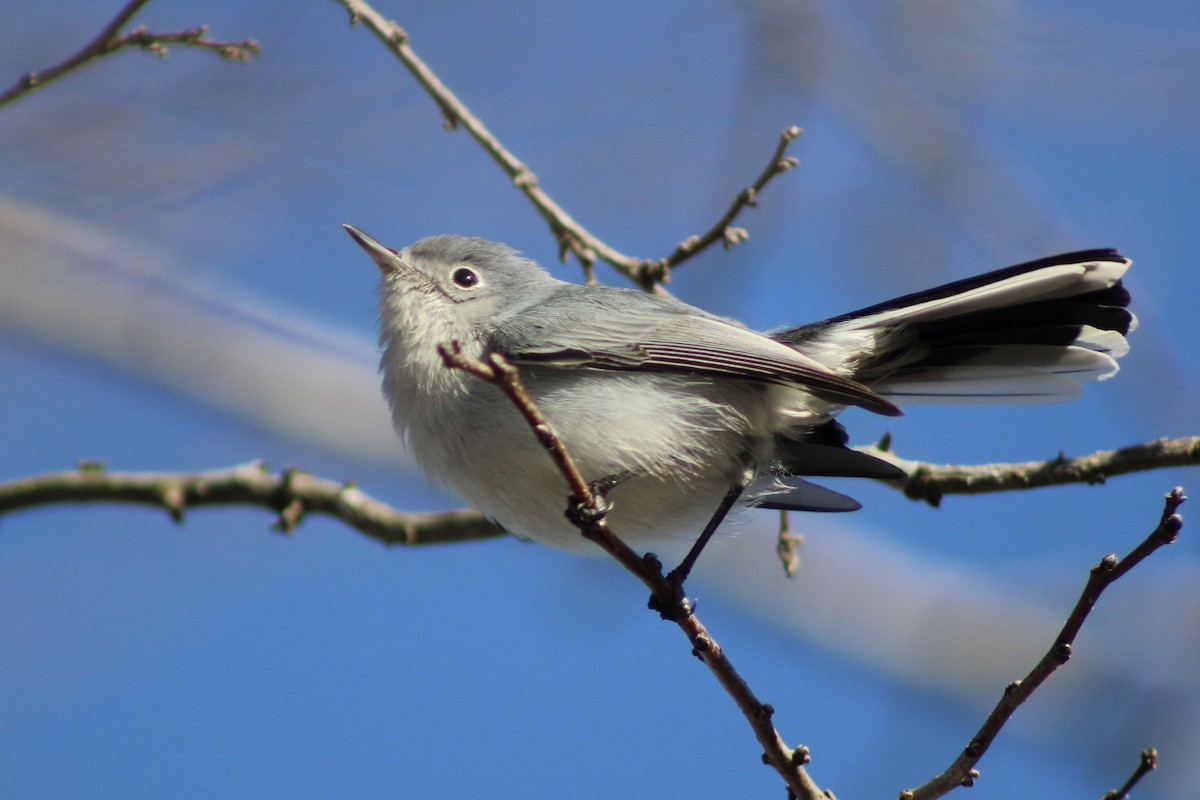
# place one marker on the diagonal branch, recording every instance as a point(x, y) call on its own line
point(588, 515)
point(1147, 762)
point(962, 772)
point(291, 494)
point(930, 482)
point(571, 236)
point(110, 40)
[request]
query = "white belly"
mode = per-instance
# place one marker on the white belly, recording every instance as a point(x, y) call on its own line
point(679, 447)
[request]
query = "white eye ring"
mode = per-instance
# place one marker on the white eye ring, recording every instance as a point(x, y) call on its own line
point(465, 278)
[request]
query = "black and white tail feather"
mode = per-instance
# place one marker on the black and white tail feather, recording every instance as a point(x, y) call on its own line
point(1031, 333)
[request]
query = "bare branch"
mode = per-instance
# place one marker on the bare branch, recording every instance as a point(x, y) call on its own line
point(930, 482)
point(587, 509)
point(926, 482)
point(748, 197)
point(787, 545)
point(1147, 762)
point(571, 236)
point(109, 41)
point(192, 37)
point(962, 772)
point(291, 494)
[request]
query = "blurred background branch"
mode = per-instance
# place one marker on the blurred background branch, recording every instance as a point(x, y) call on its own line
point(110, 40)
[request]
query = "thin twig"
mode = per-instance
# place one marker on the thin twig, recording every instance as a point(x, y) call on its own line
point(110, 40)
point(291, 494)
point(589, 518)
point(571, 236)
point(962, 772)
point(1147, 762)
point(723, 231)
point(787, 545)
point(930, 482)
point(192, 37)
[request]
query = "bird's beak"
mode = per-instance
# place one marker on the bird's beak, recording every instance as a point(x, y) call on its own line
point(385, 258)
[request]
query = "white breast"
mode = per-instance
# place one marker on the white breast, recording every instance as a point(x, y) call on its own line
point(678, 441)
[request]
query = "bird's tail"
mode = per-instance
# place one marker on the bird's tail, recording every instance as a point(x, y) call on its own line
point(1031, 333)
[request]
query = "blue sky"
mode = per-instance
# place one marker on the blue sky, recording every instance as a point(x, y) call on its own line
point(176, 293)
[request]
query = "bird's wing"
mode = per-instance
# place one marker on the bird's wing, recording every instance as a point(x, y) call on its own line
point(657, 335)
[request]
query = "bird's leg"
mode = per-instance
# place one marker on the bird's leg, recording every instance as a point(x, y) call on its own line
point(677, 576)
point(680, 573)
point(606, 484)
point(580, 515)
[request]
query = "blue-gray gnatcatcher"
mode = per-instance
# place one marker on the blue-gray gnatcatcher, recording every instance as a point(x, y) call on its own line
point(678, 414)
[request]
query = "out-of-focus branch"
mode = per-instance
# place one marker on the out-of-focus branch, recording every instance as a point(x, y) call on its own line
point(571, 236)
point(1147, 762)
point(930, 482)
point(587, 511)
point(787, 545)
point(290, 494)
point(110, 40)
point(962, 772)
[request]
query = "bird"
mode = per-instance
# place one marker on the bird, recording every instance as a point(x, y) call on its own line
point(679, 416)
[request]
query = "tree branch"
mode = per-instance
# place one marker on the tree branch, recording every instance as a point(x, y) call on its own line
point(962, 772)
point(787, 545)
point(1147, 762)
point(110, 40)
point(291, 494)
point(930, 482)
point(252, 485)
point(586, 509)
point(571, 236)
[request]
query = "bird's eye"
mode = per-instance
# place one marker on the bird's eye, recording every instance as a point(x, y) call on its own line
point(465, 278)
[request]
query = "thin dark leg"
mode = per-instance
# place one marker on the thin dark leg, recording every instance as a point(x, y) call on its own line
point(675, 605)
point(678, 575)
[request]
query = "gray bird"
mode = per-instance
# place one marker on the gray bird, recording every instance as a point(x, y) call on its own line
point(679, 415)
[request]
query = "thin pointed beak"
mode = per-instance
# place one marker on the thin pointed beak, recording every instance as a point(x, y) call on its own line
point(385, 258)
